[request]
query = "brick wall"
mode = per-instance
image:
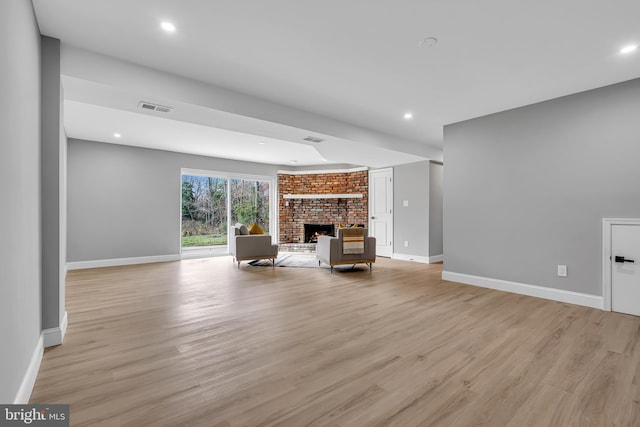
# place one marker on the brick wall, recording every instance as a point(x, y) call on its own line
point(321, 211)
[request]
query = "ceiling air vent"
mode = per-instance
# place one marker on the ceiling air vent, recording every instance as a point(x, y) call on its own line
point(154, 107)
point(313, 139)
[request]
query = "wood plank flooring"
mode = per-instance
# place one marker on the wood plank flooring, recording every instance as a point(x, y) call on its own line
point(201, 343)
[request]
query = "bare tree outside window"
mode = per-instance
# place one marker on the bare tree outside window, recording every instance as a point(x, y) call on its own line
point(250, 202)
point(204, 211)
point(204, 207)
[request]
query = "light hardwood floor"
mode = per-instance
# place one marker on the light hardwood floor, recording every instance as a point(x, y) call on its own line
point(199, 342)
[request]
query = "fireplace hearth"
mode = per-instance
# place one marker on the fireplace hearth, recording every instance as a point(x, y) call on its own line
point(312, 231)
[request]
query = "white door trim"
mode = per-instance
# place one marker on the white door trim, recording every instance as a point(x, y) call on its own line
point(607, 223)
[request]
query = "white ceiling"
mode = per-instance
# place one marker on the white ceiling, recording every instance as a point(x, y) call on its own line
point(144, 130)
point(355, 61)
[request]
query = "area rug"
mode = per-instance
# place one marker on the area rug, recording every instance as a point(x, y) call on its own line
point(303, 260)
point(289, 260)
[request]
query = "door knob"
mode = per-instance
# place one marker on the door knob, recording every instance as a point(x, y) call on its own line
point(373, 217)
point(621, 259)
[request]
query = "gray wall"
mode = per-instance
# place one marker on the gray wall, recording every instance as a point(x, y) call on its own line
point(125, 201)
point(411, 223)
point(20, 192)
point(53, 146)
point(435, 208)
point(526, 189)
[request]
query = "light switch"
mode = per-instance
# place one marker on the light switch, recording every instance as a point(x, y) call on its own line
point(405, 203)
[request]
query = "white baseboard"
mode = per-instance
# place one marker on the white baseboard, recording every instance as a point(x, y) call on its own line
point(55, 336)
point(198, 254)
point(79, 265)
point(29, 379)
point(436, 258)
point(417, 258)
point(414, 258)
point(570, 297)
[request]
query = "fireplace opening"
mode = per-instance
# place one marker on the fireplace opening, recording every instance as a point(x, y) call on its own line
point(312, 231)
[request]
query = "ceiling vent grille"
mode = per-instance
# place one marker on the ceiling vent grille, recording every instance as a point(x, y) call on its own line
point(313, 139)
point(154, 107)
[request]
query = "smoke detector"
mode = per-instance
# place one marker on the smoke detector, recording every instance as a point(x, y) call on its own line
point(154, 107)
point(428, 42)
point(313, 139)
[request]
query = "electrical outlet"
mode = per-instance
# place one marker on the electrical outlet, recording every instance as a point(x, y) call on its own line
point(406, 243)
point(562, 270)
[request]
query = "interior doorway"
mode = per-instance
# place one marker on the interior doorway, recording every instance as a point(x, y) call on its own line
point(621, 265)
point(381, 210)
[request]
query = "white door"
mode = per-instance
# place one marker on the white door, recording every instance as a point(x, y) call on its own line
point(625, 269)
point(381, 210)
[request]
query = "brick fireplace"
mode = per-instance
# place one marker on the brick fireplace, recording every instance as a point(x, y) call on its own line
point(320, 198)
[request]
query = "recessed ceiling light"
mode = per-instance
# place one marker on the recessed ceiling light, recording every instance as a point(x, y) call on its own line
point(324, 160)
point(117, 135)
point(168, 26)
point(628, 49)
point(408, 116)
point(261, 143)
point(293, 162)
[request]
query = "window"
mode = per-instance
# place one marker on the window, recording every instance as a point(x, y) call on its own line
point(204, 210)
point(209, 199)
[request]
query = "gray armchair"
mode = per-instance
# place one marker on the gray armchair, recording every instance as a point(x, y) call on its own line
point(249, 247)
point(350, 247)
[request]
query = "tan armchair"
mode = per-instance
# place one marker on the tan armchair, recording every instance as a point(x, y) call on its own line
point(249, 247)
point(352, 246)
